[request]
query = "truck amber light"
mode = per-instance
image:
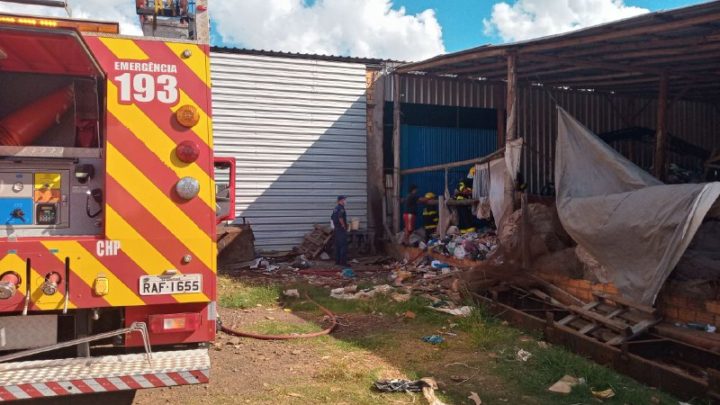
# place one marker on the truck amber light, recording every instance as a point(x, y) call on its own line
point(187, 115)
point(187, 188)
point(169, 323)
point(50, 285)
point(187, 151)
point(9, 283)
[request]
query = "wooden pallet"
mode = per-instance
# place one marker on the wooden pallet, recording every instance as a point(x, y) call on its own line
point(315, 241)
point(610, 319)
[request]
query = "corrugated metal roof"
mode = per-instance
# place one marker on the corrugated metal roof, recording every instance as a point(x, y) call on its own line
point(299, 55)
point(297, 129)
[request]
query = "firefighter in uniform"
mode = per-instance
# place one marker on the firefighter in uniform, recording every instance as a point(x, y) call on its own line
point(465, 216)
point(339, 220)
point(430, 215)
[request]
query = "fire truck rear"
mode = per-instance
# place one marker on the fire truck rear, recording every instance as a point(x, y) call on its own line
point(107, 206)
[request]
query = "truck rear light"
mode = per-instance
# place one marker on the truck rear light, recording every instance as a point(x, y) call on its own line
point(172, 323)
point(188, 116)
point(187, 151)
point(9, 283)
point(187, 188)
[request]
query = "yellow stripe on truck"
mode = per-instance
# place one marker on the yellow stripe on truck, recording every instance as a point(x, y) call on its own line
point(157, 141)
point(124, 48)
point(198, 62)
point(143, 252)
point(88, 268)
point(160, 205)
point(44, 302)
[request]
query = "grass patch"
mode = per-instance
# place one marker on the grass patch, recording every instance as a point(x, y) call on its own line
point(243, 296)
point(546, 366)
point(486, 332)
point(271, 327)
point(379, 304)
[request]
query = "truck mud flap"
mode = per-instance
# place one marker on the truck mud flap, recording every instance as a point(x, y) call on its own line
point(51, 378)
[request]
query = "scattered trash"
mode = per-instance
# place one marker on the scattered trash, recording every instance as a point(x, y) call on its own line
point(294, 395)
point(604, 394)
point(433, 339)
point(301, 263)
point(396, 385)
point(475, 398)
point(437, 264)
point(429, 391)
point(349, 293)
point(565, 384)
point(461, 311)
point(706, 327)
point(348, 273)
point(543, 345)
point(398, 297)
point(401, 276)
point(324, 256)
point(292, 293)
point(410, 315)
point(523, 355)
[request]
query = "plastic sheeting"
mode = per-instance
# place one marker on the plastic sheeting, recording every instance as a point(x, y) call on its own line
point(634, 225)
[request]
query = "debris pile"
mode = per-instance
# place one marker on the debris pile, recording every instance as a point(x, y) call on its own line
point(471, 246)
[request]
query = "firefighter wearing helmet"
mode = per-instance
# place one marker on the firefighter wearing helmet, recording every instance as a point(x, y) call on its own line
point(430, 215)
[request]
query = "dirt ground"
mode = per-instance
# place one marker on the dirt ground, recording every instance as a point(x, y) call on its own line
point(381, 339)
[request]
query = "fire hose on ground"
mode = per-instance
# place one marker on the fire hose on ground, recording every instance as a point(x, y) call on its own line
point(326, 331)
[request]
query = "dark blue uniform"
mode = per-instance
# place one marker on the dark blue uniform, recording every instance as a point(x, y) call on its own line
point(340, 235)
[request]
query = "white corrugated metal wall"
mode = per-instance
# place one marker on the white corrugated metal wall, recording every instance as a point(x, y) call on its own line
point(298, 132)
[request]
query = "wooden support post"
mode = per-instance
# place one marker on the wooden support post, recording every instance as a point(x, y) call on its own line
point(498, 102)
point(441, 216)
point(396, 154)
point(375, 175)
point(511, 126)
point(661, 134)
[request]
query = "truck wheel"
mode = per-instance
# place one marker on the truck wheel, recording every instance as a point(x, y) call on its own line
point(105, 398)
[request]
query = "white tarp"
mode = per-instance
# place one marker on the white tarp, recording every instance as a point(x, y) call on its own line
point(634, 225)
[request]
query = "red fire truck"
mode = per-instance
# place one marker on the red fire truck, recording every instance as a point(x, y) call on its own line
point(107, 204)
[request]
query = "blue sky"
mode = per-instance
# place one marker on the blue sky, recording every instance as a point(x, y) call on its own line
point(461, 20)
point(407, 29)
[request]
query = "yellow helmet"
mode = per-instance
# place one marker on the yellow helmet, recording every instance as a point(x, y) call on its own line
point(430, 195)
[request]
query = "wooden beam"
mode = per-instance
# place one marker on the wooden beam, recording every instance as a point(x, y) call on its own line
point(661, 135)
point(657, 42)
point(710, 56)
point(678, 51)
point(511, 130)
point(594, 78)
point(479, 160)
point(477, 68)
point(608, 83)
point(396, 155)
point(591, 64)
point(459, 57)
point(615, 33)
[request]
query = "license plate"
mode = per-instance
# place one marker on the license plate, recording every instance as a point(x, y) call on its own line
point(183, 284)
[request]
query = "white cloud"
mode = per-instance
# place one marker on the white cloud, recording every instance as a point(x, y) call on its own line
point(120, 11)
point(527, 19)
point(371, 28)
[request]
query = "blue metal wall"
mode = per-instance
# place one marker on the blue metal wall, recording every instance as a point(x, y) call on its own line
point(425, 146)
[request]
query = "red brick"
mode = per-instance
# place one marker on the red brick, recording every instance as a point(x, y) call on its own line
point(704, 317)
point(686, 315)
point(671, 313)
point(611, 289)
point(713, 307)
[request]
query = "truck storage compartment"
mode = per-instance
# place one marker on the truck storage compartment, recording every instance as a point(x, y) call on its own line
point(51, 167)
